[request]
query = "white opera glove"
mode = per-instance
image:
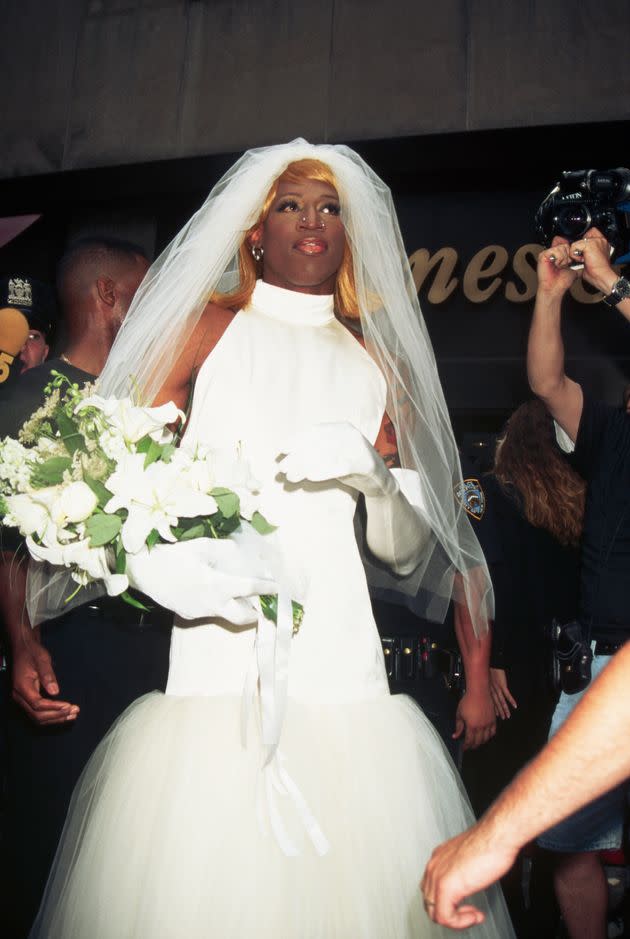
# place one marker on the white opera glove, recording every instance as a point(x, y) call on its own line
point(397, 530)
point(201, 578)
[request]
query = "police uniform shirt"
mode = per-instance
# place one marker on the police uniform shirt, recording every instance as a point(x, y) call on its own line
point(535, 579)
point(602, 457)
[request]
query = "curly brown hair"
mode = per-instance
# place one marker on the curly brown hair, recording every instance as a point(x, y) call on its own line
point(528, 460)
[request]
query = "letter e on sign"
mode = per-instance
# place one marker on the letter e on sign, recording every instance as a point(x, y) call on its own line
point(486, 264)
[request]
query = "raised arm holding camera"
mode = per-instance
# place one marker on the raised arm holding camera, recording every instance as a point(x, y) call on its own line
point(557, 270)
point(601, 435)
point(584, 220)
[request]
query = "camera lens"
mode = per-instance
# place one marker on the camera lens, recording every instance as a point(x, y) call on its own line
point(572, 221)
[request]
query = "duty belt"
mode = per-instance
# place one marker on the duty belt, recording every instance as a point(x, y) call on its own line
point(409, 658)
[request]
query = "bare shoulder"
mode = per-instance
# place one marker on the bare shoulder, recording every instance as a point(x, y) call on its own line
point(211, 325)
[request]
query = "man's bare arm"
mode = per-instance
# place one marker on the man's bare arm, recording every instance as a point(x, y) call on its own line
point(475, 716)
point(31, 668)
point(584, 759)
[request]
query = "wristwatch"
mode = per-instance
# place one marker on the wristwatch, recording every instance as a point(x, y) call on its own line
point(619, 291)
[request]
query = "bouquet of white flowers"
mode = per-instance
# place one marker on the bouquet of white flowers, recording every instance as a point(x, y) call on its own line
point(95, 483)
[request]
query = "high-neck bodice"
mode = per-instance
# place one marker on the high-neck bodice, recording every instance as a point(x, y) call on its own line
point(291, 306)
point(283, 365)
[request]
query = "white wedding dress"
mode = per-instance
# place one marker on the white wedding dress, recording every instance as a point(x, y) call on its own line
point(175, 830)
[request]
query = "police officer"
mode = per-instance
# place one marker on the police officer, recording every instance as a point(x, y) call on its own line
point(443, 666)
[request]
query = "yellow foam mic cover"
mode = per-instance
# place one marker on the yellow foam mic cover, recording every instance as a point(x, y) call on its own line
point(14, 330)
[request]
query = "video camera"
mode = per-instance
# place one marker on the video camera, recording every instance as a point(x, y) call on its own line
point(584, 199)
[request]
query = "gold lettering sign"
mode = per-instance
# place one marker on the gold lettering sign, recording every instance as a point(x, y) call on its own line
point(483, 265)
point(524, 266)
point(584, 293)
point(487, 271)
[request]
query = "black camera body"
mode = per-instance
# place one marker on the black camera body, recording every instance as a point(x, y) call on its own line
point(584, 199)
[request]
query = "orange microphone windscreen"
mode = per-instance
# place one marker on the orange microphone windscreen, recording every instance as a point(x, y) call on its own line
point(14, 330)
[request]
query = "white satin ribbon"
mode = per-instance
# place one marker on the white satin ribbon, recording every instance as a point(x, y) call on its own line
point(269, 671)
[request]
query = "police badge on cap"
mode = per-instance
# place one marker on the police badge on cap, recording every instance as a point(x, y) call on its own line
point(33, 298)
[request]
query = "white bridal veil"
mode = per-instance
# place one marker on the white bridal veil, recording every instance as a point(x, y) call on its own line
point(203, 258)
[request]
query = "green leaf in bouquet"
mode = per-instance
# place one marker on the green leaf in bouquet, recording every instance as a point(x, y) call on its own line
point(196, 531)
point(218, 526)
point(153, 453)
point(142, 445)
point(50, 472)
point(99, 489)
point(132, 601)
point(269, 606)
point(228, 502)
point(152, 450)
point(69, 430)
point(153, 537)
point(261, 525)
point(101, 529)
point(121, 559)
point(167, 452)
point(298, 615)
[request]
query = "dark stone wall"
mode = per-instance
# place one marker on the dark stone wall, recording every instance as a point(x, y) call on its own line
point(95, 83)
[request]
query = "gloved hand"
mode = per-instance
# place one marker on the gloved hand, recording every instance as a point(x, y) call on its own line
point(396, 529)
point(201, 578)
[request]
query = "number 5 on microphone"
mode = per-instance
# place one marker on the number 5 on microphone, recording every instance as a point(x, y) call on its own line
point(6, 361)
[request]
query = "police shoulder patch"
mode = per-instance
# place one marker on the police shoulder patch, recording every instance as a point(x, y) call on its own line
point(471, 496)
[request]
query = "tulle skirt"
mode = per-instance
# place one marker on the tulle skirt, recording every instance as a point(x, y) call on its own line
point(165, 837)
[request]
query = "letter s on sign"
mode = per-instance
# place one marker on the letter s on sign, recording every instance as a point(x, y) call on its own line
point(524, 266)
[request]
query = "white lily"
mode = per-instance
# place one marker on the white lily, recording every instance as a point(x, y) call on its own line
point(135, 422)
point(196, 468)
point(154, 498)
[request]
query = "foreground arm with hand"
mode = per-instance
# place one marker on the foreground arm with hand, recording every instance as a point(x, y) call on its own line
point(396, 530)
point(582, 761)
point(31, 668)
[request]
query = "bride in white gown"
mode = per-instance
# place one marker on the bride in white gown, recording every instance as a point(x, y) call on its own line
point(319, 824)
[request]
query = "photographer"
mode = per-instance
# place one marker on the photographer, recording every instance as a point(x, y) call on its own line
point(601, 435)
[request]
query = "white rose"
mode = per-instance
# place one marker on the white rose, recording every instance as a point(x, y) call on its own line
point(75, 503)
